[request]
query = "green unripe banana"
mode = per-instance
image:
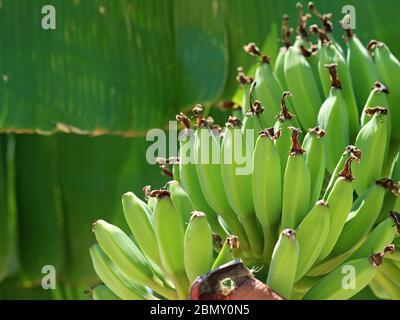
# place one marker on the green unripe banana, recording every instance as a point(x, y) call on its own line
point(333, 118)
point(267, 89)
point(181, 201)
point(267, 179)
point(350, 151)
point(312, 57)
point(237, 181)
point(312, 234)
point(388, 279)
point(139, 219)
point(198, 246)
point(340, 200)
point(376, 98)
point(208, 166)
point(380, 237)
point(362, 217)
point(188, 175)
point(301, 83)
point(127, 257)
point(170, 235)
point(284, 120)
point(388, 68)
point(329, 54)
point(282, 270)
point(252, 123)
point(315, 160)
point(296, 185)
point(267, 187)
point(333, 285)
point(371, 140)
point(114, 278)
point(362, 68)
point(279, 68)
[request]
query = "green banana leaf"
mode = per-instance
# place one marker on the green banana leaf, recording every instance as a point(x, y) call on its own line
point(8, 210)
point(111, 66)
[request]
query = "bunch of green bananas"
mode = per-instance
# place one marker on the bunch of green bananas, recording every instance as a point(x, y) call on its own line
point(306, 209)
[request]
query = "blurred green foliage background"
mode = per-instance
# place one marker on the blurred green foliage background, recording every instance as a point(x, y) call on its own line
point(114, 68)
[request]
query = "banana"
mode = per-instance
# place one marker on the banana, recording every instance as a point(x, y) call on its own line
point(388, 283)
point(301, 83)
point(315, 160)
point(267, 186)
point(349, 151)
point(114, 278)
point(198, 246)
point(312, 57)
point(285, 119)
point(361, 65)
point(188, 175)
point(326, 21)
point(340, 200)
point(207, 149)
point(391, 270)
point(335, 286)
point(229, 251)
point(282, 270)
point(312, 234)
point(333, 118)
point(252, 124)
point(139, 219)
point(181, 201)
point(362, 217)
point(380, 237)
point(267, 88)
point(328, 54)
point(170, 235)
point(372, 141)
point(279, 68)
point(377, 97)
point(236, 173)
point(127, 257)
point(102, 292)
point(388, 68)
point(296, 185)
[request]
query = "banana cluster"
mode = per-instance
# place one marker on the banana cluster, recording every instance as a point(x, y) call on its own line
point(315, 213)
